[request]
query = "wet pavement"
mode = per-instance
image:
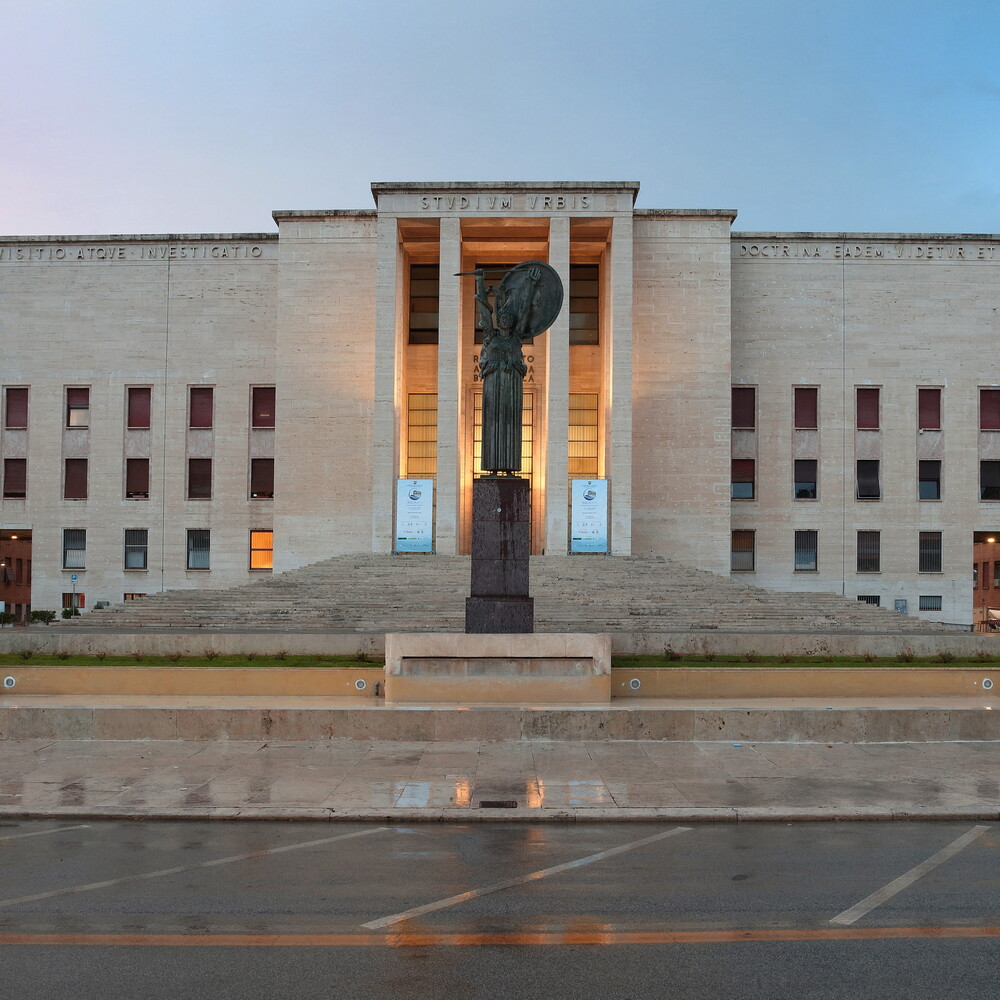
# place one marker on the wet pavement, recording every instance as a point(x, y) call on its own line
point(504, 780)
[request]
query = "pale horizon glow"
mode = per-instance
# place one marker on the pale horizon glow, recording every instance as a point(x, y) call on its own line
point(203, 117)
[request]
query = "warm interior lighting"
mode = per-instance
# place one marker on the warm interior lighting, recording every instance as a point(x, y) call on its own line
point(991, 539)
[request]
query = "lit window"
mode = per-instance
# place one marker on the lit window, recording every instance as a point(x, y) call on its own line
point(421, 434)
point(261, 549)
point(583, 422)
point(75, 601)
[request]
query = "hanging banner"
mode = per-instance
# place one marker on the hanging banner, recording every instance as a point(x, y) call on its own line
point(414, 515)
point(589, 527)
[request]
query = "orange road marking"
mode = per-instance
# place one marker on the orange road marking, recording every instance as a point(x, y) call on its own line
point(399, 939)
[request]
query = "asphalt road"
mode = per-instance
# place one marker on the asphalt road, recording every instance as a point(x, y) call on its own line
point(100, 910)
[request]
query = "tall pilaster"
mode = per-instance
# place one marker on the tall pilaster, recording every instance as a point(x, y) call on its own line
point(557, 400)
point(388, 381)
point(618, 386)
point(449, 382)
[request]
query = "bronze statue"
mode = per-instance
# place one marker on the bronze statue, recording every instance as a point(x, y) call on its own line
point(525, 303)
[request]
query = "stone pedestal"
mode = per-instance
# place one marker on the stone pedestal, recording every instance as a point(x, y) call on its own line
point(501, 546)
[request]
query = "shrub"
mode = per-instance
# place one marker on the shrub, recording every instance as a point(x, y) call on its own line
point(982, 656)
point(26, 654)
point(6, 618)
point(174, 657)
point(63, 654)
point(101, 655)
point(750, 656)
point(945, 657)
point(281, 654)
point(868, 657)
point(211, 654)
point(45, 617)
point(251, 655)
point(906, 655)
point(786, 658)
point(137, 655)
point(669, 653)
point(709, 656)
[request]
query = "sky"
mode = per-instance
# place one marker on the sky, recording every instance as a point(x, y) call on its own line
point(203, 116)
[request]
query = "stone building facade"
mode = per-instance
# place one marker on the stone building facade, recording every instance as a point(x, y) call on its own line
point(810, 411)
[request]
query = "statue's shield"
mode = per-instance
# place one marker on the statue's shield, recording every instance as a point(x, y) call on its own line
point(549, 297)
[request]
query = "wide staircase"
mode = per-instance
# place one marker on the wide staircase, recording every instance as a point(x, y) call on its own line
point(385, 593)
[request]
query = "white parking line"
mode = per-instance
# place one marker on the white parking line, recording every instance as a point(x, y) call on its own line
point(187, 868)
point(904, 881)
point(42, 833)
point(462, 897)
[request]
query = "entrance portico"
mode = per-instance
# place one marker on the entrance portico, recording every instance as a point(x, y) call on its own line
point(426, 377)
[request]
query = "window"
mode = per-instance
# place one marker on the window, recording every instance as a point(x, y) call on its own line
point(869, 552)
point(201, 403)
point(930, 603)
point(261, 549)
point(583, 423)
point(584, 304)
point(424, 295)
point(741, 558)
point(74, 548)
point(929, 409)
point(136, 544)
point(421, 434)
point(806, 551)
point(806, 409)
point(805, 479)
point(262, 478)
point(76, 600)
point(996, 575)
point(989, 409)
point(986, 576)
point(868, 482)
point(137, 479)
point(78, 407)
point(873, 599)
point(929, 480)
point(132, 597)
point(15, 408)
point(744, 407)
point(867, 409)
point(262, 406)
point(139, 406)
point(198, 548)
point(930, 551)
point(15, 478)
point(75, 480)
point(199, 479)
point(743, 479)
point(989, 480)
point(975, 576)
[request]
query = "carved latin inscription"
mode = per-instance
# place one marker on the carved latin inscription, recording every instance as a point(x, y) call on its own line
point(131, 252)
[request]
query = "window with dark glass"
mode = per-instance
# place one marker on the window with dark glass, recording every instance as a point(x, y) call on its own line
point(868, 479)
point(929, 409)
point(136, 545)
point(989, 480)
point(202, 398)
point(806, 408)
point(869, 552)
point(744, 407)
point(262, 406)
point(75, 479)
point(805, 479)
point(584, 304)
point(74, 548)
point(262, 478)
point(989, 409)
point(806, 551)
point(743, 471)
point(139, 406)
point(930, 551)
point(198, 548)
point(424, 303)
point(78, 407)
point(15, 408)
point(986, 576)
point(867, 409)
point(137, 479)
point(199, 479)
point(15, 478)
point(741, 554)
point(929, 480)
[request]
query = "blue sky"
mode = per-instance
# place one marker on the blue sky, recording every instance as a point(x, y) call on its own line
point(137, 116)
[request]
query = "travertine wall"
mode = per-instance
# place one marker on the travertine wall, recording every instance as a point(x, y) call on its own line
point(896, 312)
point(325, 367)
point(681, 387)
point(108, 313)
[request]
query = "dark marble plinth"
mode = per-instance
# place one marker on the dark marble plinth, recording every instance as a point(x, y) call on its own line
point(501, 546)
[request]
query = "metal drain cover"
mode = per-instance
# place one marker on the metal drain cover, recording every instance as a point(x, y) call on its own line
point(498, 803)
